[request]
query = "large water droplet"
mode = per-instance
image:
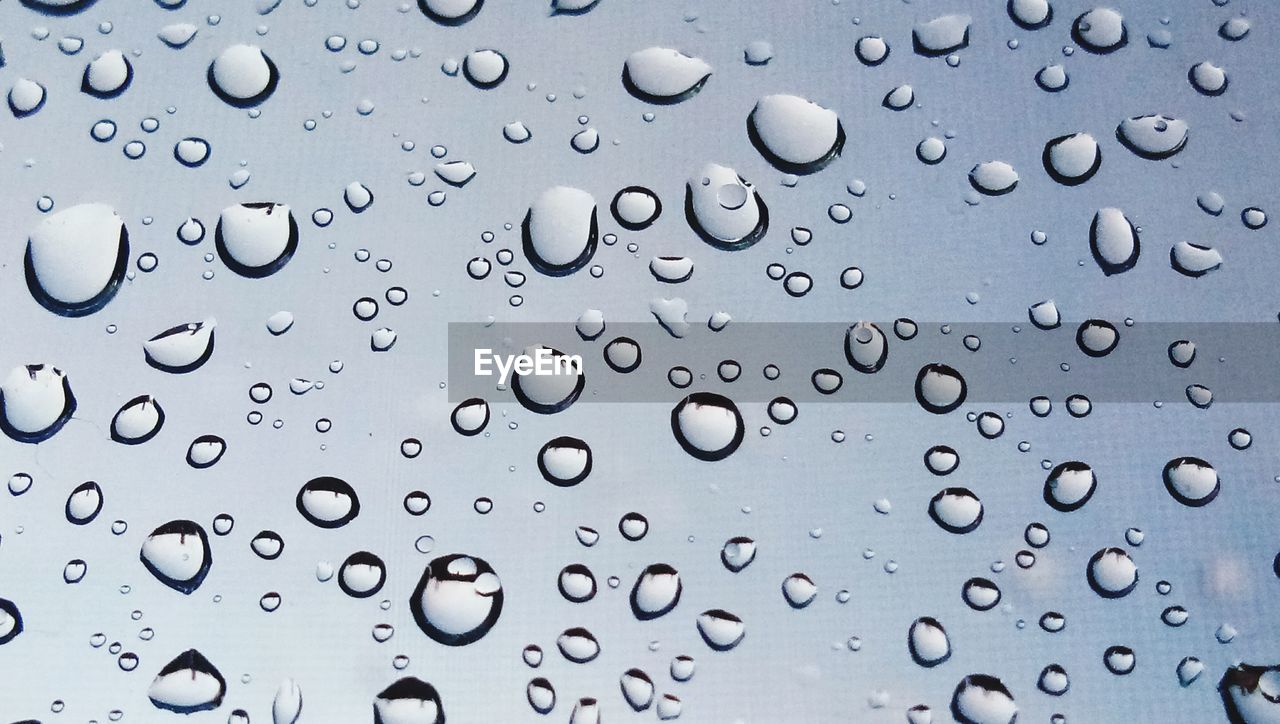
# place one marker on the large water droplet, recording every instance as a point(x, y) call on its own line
point(865, 347)
point(720, 629)
point(188, 684)
point(76, 259)
point(547, 394)
point(362, 574)
point(1072, 159)
point(707, 426)
point(35, 402)
point(1069, 486)
point(795, 135)
point(1251, 694)
point(656, 592)
point(724, 209)
point(178, 555)
point(1191, 481)
point(993, 178)
point(664, 76)
point(137, 421)
point(1100, 31)
point(84, 503)
point(181, 349)
point(328, 502)
point(243, 76)
point(565, 461)
point(928, 642)
point(450, 12)
point(942, 35)
point(1113, 239)
point(408, 701)
point(983, 699)
point(637, 689)
point(940, 388)
point(256, 239)
point(1153, 137)
point(457, 600)
point(1030, 14)
point(560, 231)
point(956, 510)
point(799, 590)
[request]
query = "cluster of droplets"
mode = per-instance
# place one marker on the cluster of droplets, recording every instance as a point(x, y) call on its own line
point(77, 260)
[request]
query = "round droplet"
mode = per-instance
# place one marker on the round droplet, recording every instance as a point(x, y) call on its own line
point(799, 590)
point(1191, 481)
point(327, 502)
point(738, 553)
point(256, 239)
point(656, 592)
point(107, 76)
point(362, 574)
point(547, 394)
point(1069, 486)
point(35, 402)
point(980, 594)
point(565, 461)
point(724, 209)
point(1072, 159)
point(1119, 660)
point(84, 503)
point(576, 583)
point(956, 510)
point(485, 68)
point(578, 645)
point(470, 417)
point(794, 134)
point(939, 388)
point(560, 231)
point(1112, 573)
point(720, 629)
point(941, 460)
point(633, 526)
point(708, 426)
point(635, 208)
point(243, 76)
point(457, 600)
point(178, 555)
point(76, 259)
point(137, 421)
point(1100, 31)
point(928, 642)
point(205, 451)
point(1208, 79)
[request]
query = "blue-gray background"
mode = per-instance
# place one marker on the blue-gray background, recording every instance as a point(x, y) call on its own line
point(921, 246)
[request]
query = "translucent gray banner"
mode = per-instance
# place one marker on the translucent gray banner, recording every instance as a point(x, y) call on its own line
point(1187, 363)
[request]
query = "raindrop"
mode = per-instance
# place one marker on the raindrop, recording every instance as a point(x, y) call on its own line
point(1191, 481)
point(457, 600)
point(664, 76)
point(795, 135)
point(178, 555)
point(76, 259)
point(328, 502)
point(256, 239)
point(707, 426)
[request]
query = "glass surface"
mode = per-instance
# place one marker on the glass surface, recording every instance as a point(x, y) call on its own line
point(288, 225)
